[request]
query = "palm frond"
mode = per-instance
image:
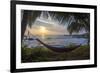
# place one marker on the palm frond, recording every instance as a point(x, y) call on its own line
point(32, 15)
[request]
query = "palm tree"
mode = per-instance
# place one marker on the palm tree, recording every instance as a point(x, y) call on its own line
point(81, 22)
point(28, 18)
point(75, 21)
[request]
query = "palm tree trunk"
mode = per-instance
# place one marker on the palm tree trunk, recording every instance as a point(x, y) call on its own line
point(24, 23)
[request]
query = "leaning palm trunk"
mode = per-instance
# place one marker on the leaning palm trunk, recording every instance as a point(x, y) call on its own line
point(24, 23)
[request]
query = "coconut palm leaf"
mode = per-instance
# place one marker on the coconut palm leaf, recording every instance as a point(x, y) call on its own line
point(75, 27)
point(61, 17)
point(81, 23)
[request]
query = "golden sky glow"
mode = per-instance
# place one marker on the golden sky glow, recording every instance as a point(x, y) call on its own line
point(44, 27)
point(43, 30)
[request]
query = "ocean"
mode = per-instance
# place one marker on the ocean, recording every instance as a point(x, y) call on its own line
point(55, 40)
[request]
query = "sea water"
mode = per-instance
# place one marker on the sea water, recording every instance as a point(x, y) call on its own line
point(55, 40)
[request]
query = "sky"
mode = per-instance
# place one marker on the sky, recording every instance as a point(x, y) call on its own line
point(51, 27)
point(47, 26)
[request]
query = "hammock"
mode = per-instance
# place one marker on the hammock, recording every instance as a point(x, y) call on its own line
point(58, 49)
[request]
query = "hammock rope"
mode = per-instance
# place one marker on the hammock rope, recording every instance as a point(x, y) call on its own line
point(58, 49)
